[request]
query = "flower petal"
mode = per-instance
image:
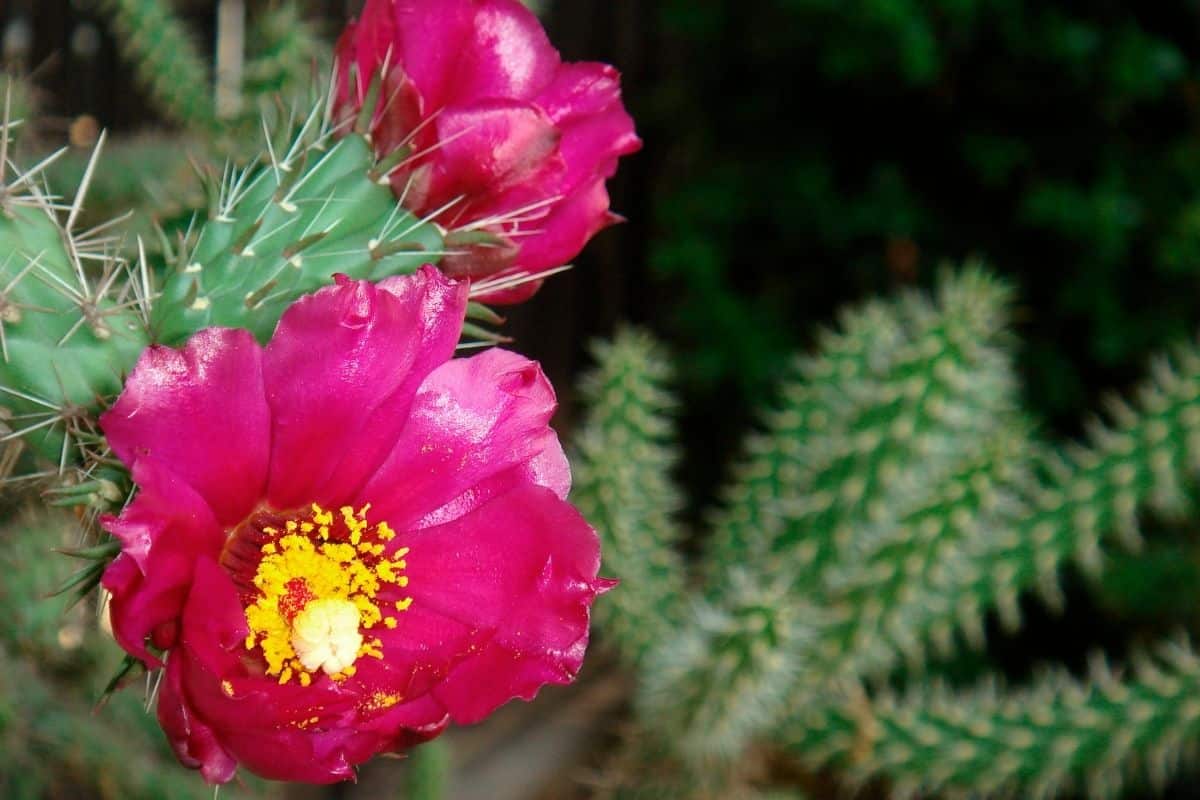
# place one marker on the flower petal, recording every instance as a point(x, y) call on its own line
point(341, 372)
point(262, 724)
point(196, 744)
point(473, 419)
point(485, 150)
point(458, 51)
point(162, 532)
point(200, 409)
point(520, 569)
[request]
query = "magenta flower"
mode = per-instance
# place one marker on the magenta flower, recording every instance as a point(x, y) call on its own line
point(346, 539)
point(495, 132)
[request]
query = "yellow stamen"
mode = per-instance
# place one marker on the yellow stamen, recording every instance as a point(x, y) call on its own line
point(318, 585)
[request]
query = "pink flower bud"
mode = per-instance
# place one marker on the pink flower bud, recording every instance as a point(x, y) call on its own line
point(486, 128)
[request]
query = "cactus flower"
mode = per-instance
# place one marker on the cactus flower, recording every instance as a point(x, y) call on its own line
point(346, 539)
point(487, 130)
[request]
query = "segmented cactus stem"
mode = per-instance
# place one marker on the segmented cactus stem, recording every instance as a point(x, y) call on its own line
point(622, 483)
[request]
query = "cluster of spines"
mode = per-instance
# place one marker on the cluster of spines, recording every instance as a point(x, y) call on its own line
point(1057, 735)
point(282, 228)
point(990, 515)
point(622, 484)
point(72, 317)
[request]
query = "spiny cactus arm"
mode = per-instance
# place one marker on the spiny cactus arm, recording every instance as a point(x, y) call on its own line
point(1146, 459)
point(887, 405)
point(911, 580)
point(1059, 734)
point(1008, 524)
point(314, 207)
point(922, 383)
point(623, 461)
point(160, 48)
point(70, 322)
point(725, 675)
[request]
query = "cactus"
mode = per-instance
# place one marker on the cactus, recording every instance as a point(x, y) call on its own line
point(896, 496)
point(886, 407)
point(76, 315)
point(283, 52)
point(70, 324)
point(314, 208)
point(166, 60)
point(622, 485)
point(1058, 735)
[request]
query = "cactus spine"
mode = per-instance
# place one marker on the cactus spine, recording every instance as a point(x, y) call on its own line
point(895, 497)
point(76, 315)
point(70, 322)
point(314, 208)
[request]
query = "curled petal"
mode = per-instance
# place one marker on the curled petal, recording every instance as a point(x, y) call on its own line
point(521, 569)
point(196, 744)
point(200, 409)
point(341, 372)
point(473, 419)
point(485, 150)
point(162, 533)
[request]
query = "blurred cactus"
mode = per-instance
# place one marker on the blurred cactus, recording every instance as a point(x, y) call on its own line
point(284, 52)
point(895, 497)
point(161, 49)
point(53, 668)
point(623, 486)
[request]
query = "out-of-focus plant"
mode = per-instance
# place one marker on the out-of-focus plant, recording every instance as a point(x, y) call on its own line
point(895, 496)
point(53, 669)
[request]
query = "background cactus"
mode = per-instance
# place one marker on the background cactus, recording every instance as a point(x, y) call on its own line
point(896, 495)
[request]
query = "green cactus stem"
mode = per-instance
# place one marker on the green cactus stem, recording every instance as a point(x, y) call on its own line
point(284, 228)
point(70, 323)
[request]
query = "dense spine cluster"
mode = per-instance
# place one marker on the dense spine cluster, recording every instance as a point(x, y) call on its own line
point(897, 496)
point(622, 484)
point(278, 230)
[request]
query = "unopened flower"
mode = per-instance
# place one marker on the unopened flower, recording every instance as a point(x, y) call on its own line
point(487, 130)
point(346, 539)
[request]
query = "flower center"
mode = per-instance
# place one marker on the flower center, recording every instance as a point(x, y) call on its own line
point(317, 588)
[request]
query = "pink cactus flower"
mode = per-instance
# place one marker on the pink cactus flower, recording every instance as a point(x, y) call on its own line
point(488, 130)
point(346, 539)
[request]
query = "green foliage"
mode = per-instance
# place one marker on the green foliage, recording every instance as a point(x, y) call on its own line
point(896, 496)
point(1051, 138)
